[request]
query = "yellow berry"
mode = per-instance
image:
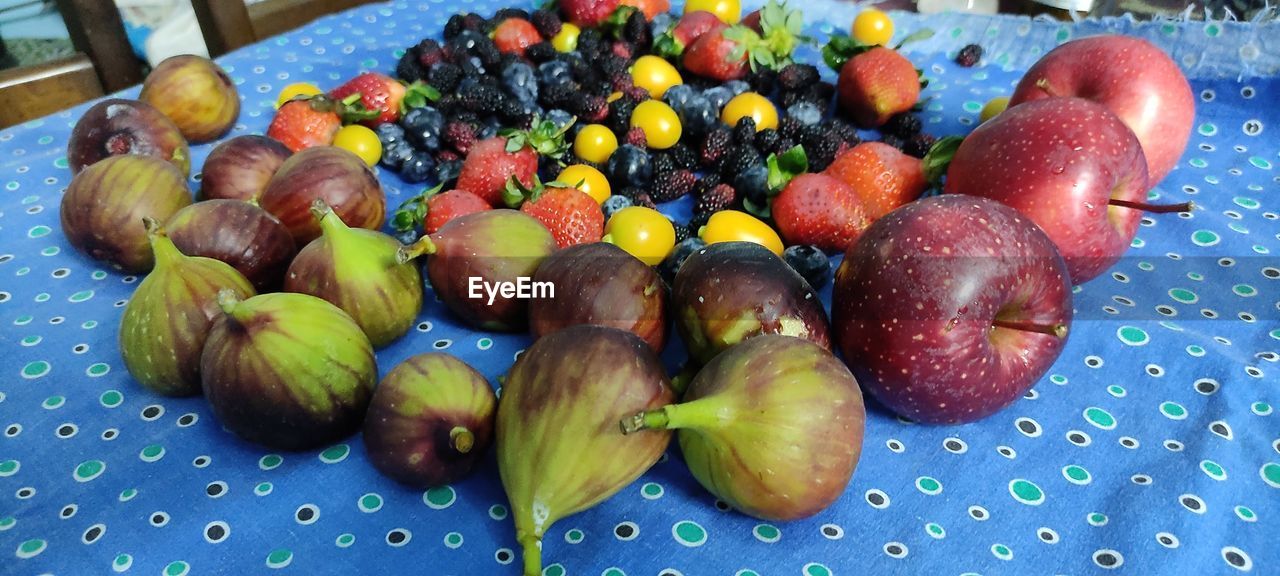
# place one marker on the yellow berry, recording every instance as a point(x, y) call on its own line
point(728, 11)
point(297, 89)
point(873, 27)
point(595, 143)
point(993, 107)
point(586, 179)
point(660, 124)
point(567, 39)
point(361, 141)
point(655, 75)
point(735, 226)
point(613, 97)
point(750, 104)
point(643, 232)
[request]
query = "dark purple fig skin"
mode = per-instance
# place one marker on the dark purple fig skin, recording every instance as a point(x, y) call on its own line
point(601, 284)
point(103, 208)
point(118, 127)
point(725, 284)
point(238, 233)
point(495, 245)
point(332, 174)
point(430, 421)
point(240, 168)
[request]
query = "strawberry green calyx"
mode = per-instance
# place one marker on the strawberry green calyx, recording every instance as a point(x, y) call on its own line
point(515, 193)
point(938, 159)
point(839, 49)
point(615, 22)
point(782, 30)
point(417, 95)
point(543, 136)
point(413, 211)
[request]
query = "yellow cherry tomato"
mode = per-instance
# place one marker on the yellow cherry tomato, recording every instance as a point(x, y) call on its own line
point(361, 141)
point(750, 104)
point(993, 107)
point(873, 27)
point(643, 232)
point(595, 143)
point(660, 124)
point(655, 75)
point(297, 89)
point(587, 179)
point(567, 39)
point(735, 226)
point(728, 11)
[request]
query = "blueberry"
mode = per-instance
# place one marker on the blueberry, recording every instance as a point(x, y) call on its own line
point(447, 172)
point(389, 133)
point(737, 87)
point(395, 154)
point(719, 96)
point(630, 166)
point(753, 184)
point(408, 236)
point(677, 96)
point(519, 81)
point(418, 168)
point(699, 115)
point(810, 262)
point(422, 127)
point(682, 251)
point(559, 117)
point(554, 72)
point(613, 204)
point(806, 113)
point(661, 23)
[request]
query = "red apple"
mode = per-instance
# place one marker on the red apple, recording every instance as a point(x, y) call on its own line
point(1131, 77)
point(1071, 166)
point(949, 308)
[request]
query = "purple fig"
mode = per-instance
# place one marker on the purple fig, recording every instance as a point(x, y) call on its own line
point(238, 233)
point(430, 421)
point(772, 426)
point(559, 447)
point(730, 291)
point(288, 371)
point(359, 271)
point(104, 205)
point(327, 173)
point(601, 284)
point(240, 168)
point(476, 257)
point(116, 127)
point(168, 317)
point(195, 93)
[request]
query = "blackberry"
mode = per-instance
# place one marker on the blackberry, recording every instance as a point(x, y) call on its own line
point(547, 22)
point(557, 95)
point(698, 220)
point(619, 117)
point(475, 23)
point(515, 114)
point(894, 141)
point(715, 146)
point(762, 80)
point(444, 77)
point(589, 107)
point(454, 26)
point(904, 125)
point(715, 199)
point(487, 51)
point(630, 193)
point(706, 182)
point(635, 93)
point(448, 156)
point(505, 13)
point(612, 66)
point(918, 144)
point(540, 52)
point(644, 199)
point(742, 157)
point(821, 147)
point(460, 135)
point(845, 131)
point(795, 77)
point(745, 131)
point(791, 128)
point(666, 187)
point(767, 141)
point(683, 156)
point(635, 136)
point(663, 164)
point(481, 98)
point(636, 31)
point(682, 234)
point(409, 69)
point(429, 53)
point(969, 55)
point(590, 41)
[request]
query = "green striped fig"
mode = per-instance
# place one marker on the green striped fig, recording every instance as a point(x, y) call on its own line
point(559, 447)
point(288, 371)
point(430, 421)
point(772, 426)
point(168, 317)
point(357, 270)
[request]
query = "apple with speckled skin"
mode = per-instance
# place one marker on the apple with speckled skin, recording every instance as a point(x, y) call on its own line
point(949, 308)
point(1131, 77)
point(1072, 167)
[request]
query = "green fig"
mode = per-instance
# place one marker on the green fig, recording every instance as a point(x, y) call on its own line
point(168, 317)
point(288, 371)
point(559, 448)
point(430, 421)
point(772, 426)
point(357, 270)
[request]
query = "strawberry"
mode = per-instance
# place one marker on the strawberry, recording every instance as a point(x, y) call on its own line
point(492, 162)
point(752, 21)
point(306, 122)
point(513, 35)
point(587, 12)
point(726, 53)
point(441, 208)
point(650, 8)
point(876, 84)
point(572, 216)
point(819, 210)
point(880, 175)
point(717, 55)
point(378, 99)
point(691, 26)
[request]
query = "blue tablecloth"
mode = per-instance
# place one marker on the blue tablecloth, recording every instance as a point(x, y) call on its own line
point(1152, 447)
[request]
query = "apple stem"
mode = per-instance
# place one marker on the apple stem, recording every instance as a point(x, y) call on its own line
point(462, 439)
point(1044, 84)
point(1154, 208)
point(1059, 330)
point(423, 245)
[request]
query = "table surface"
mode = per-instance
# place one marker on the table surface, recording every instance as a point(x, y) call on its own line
point(1150, 446)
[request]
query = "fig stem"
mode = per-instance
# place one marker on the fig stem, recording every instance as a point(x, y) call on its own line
point(1059, 330)
point(227, 301)
point(320, 208)
point(462, 439)
point(161, 246)
point(532, 546)
point(1154, 208)
point(647, 420)
point(424, 245)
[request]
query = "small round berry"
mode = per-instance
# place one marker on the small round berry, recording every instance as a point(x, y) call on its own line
point(993, 107)
point(660, 124)
point(735, 226)
point(873, 27)
point(751, 104)
point(297, 89)
point(728, 11)
point(655, 75)
point(586, 179)
point(643, 232)
point(567, 39)
point(595, 143)
point(361, 141)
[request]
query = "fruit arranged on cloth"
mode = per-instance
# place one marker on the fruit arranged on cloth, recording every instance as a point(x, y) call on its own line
point(324, 173)
point(872, 27)
point(773, 427)
point(358, 271)
point(1069, 165)
point(238, 233)
point(642, 232)
point(587, 12)
point(876, 84)
point(819, 210)
point(737, 226)
point(587, 179)
point(881, 176)
point(492, 163)
point(303, 123)
point(484, 251)
point(728, 53)
point(196, 94)
point(296, 89)
point(655, 75)
point(601, 284)
point(570, 214)
point(751, 105)
point(103, 207)
point(443, 208)
point(380, 98)
point(987, 316)
point(240, 168)
point(116, 127)
point(559, 448)
point(361, 141)
point(165, 324)
point(728, 11)
point(288, 371)
point(691, 26)
point(430, 421)
point(1140, 84)
point(729, 292)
